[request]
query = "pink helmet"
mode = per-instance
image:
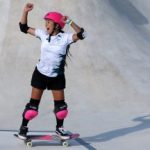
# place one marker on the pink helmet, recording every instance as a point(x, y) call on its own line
point(56, 17)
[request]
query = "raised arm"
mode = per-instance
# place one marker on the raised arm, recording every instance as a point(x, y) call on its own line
point(24, 20)
point(80, 32)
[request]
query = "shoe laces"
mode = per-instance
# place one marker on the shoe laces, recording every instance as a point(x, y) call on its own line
point(63, 130)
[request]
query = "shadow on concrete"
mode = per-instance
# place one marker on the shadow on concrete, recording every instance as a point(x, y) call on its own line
point(107, 136)
point(103, 137)
point(126, 8)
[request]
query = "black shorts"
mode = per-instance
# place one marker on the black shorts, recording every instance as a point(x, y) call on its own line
point(41, 81)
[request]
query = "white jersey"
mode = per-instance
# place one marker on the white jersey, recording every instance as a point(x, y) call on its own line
point(53, 53)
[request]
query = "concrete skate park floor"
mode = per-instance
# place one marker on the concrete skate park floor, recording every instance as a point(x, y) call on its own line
point(108, 76)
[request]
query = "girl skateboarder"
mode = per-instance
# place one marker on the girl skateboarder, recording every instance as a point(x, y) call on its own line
point(49, 71)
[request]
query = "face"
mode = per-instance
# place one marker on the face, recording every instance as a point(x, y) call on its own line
point(49, 24)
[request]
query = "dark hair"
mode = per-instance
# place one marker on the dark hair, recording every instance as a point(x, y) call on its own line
point(68, 54)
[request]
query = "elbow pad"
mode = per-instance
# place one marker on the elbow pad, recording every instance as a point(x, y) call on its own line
point(82, 34)
point(23, 27)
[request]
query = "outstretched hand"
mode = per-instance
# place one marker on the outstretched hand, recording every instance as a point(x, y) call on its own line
point(28, 7)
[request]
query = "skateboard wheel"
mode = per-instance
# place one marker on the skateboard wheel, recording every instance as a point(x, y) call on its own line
point(29, 144)
point(65, 143)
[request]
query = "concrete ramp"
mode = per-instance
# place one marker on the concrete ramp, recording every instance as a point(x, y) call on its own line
point(108, 75)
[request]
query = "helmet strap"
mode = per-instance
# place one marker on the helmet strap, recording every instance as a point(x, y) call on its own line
point(49, 38)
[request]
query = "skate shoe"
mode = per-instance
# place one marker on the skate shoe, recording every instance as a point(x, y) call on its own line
point(62, 133)
point(23, 133)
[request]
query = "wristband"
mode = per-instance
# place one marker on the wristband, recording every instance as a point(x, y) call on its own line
point(69, 22)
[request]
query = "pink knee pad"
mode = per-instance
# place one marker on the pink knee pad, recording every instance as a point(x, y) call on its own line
point(62, 114)
point(30, 114)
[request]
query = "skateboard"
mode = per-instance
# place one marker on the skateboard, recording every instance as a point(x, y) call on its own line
point(30, 138)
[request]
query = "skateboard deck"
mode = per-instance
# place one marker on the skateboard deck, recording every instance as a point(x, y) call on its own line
point(47, 137)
